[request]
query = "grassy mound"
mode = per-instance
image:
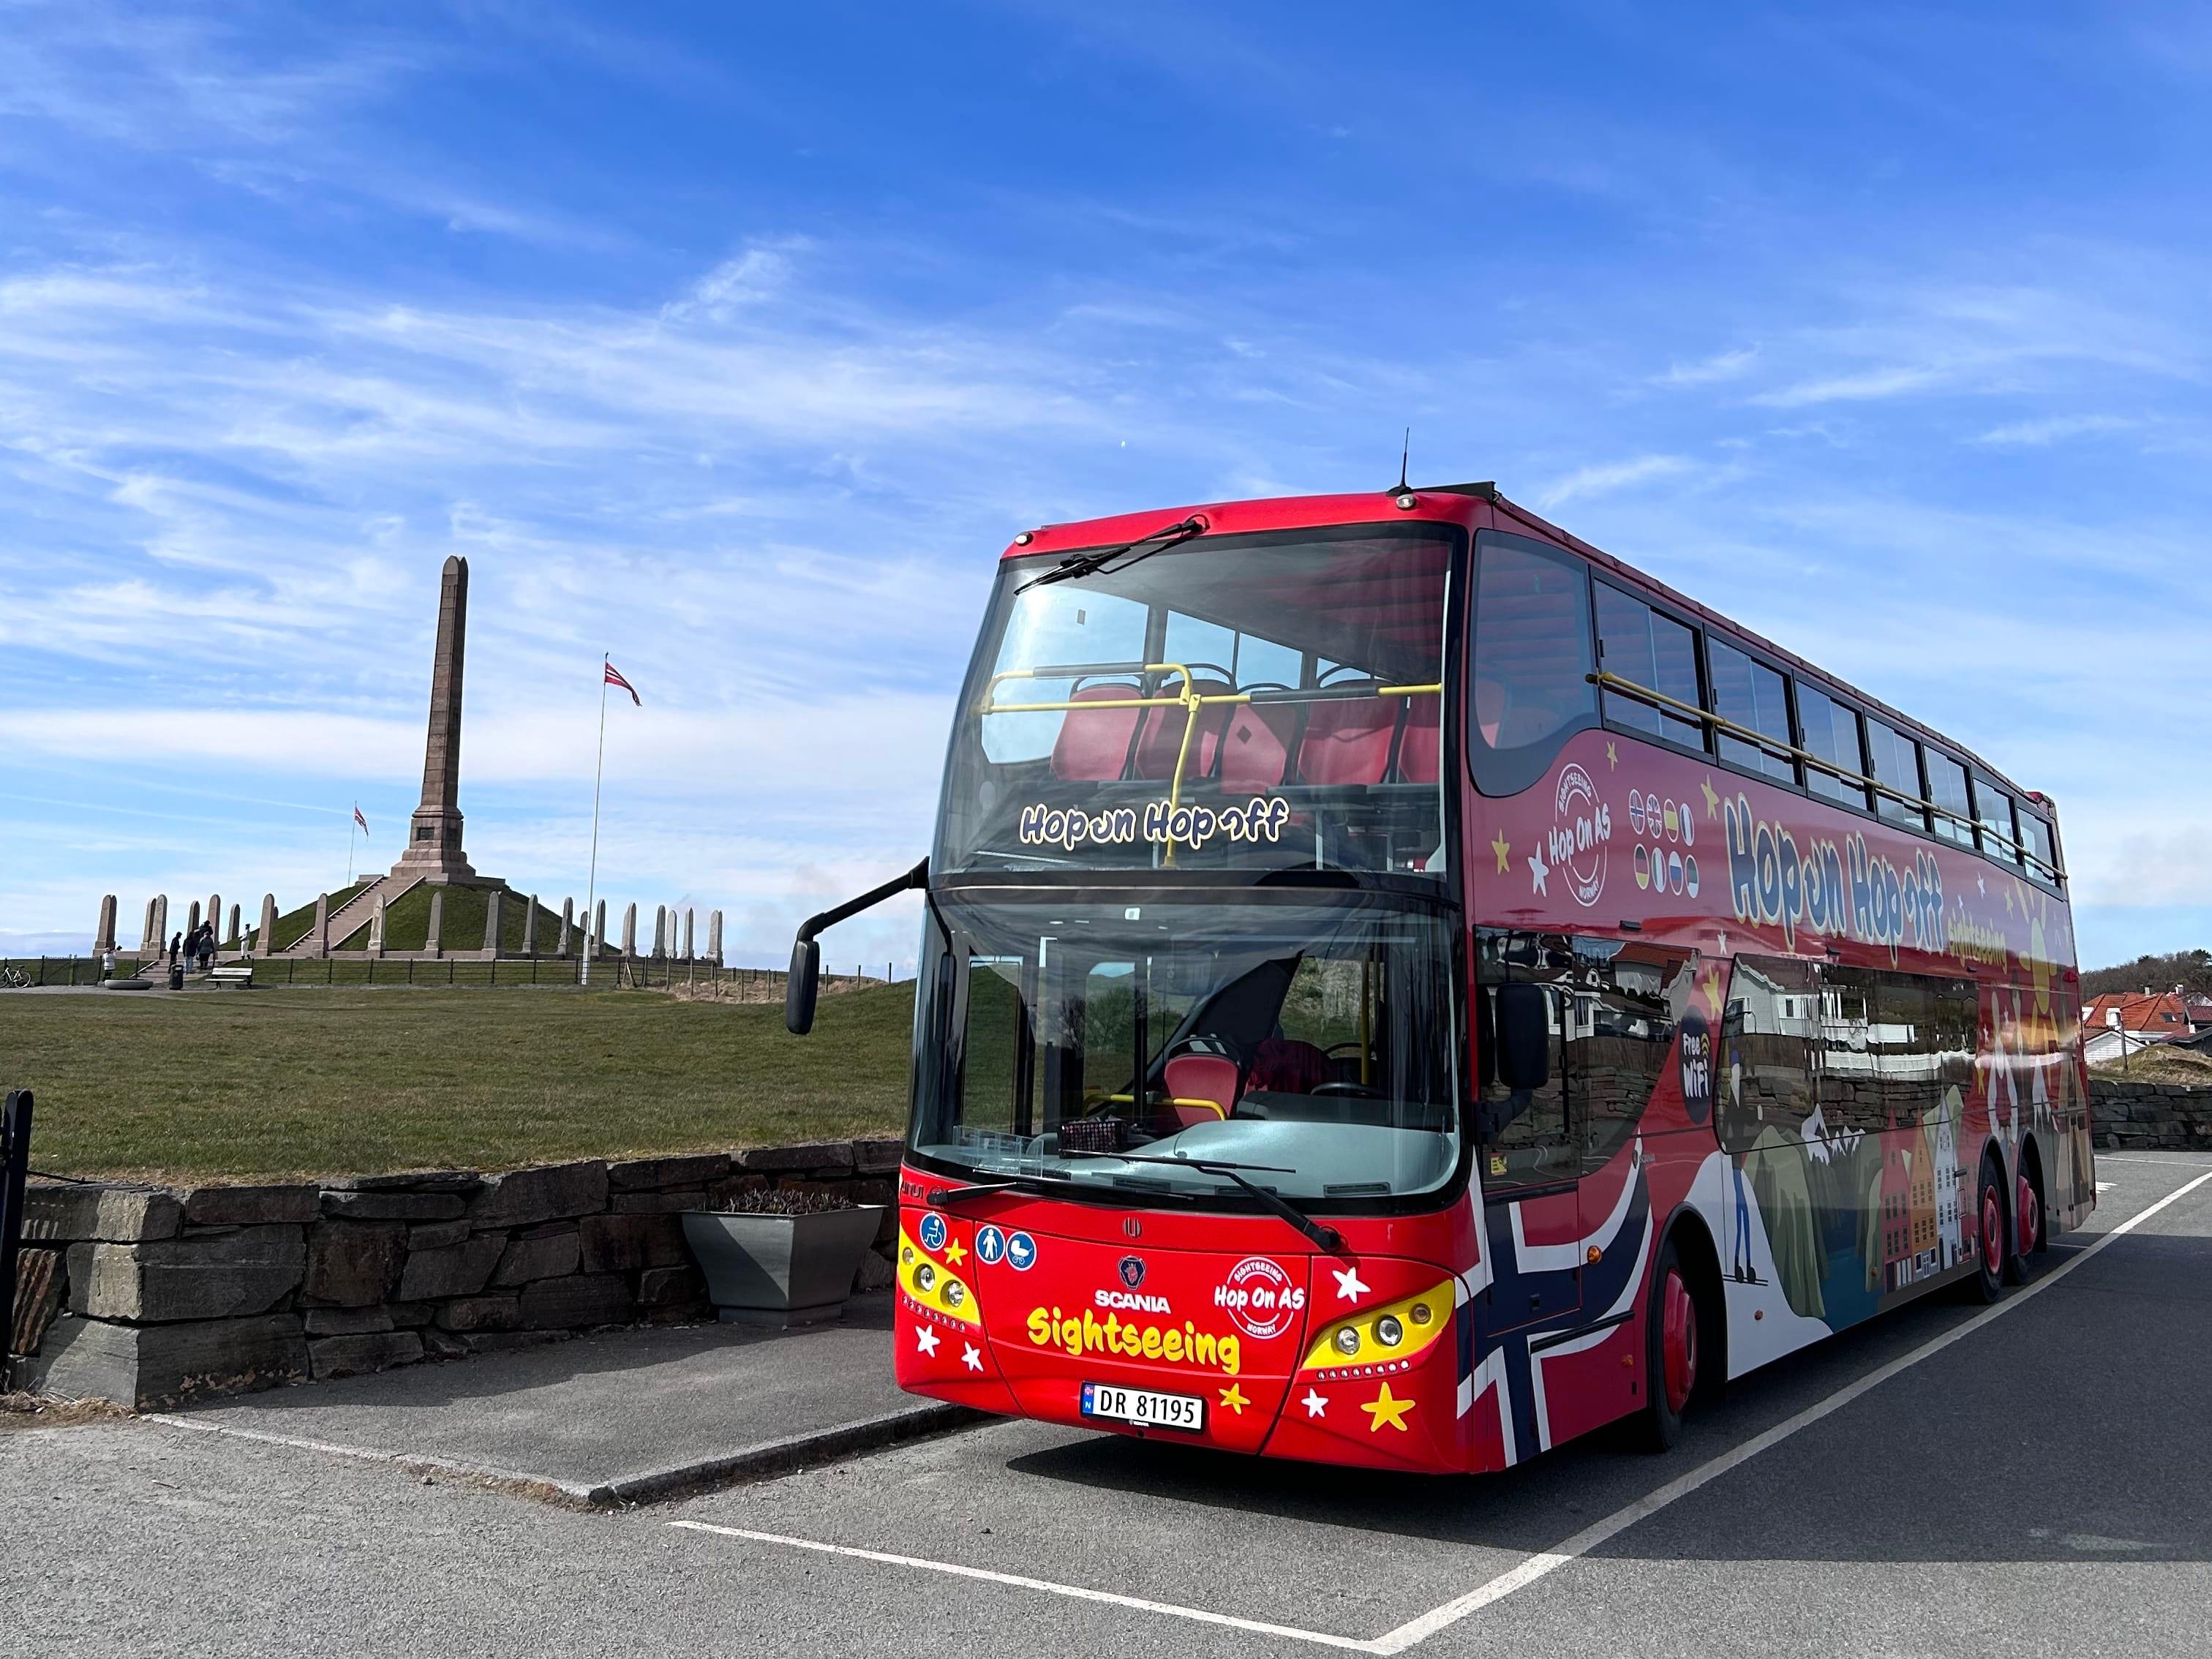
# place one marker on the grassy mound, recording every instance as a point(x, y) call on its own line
point(461, 927)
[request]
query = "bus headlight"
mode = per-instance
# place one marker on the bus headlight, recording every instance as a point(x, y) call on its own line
point(954, 1293)
point(1388, 1332)
point(1348, 1340)
point(925, 1275)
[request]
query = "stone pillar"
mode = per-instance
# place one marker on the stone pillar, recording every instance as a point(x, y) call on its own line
point(146, 929)
point(599, 929)
point(434, 834)
point(376, 928)
point(192, 920)
point(215, 915)
point(567, 920)
point(689, 917)
point(629, 931)
point(493, 934)
point(161, 923)
point(530, 925)
point(715, 937)
point(659, 931)
point(236, 937)
point(268, 924)
point(435, 942)
point(322, 934)
point(104, 940)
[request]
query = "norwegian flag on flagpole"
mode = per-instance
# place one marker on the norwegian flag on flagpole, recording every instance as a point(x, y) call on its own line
point(360, 820)
point(614, 678)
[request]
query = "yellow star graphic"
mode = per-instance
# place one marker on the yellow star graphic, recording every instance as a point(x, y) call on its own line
point(1612, 760)
point(1233, 1397)
point(1712, 799)
point(956, 1253)
point(1713, 987)
point(1503, 849)
point(1386, 1408)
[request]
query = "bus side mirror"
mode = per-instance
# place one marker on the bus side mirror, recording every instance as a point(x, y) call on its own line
point(798, 989)
point(1524, 1035)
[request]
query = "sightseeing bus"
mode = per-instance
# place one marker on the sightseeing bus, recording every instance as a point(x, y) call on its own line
point(1401, 987)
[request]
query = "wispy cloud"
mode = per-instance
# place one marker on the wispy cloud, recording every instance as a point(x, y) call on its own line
point(2040, 434)
point(1709, 370)
point(1606, 478)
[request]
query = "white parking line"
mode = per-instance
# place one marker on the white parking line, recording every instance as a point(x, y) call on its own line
point(1544, 1563)
point(1202, 1615)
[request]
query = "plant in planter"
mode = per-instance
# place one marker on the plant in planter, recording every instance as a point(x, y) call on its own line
point(782, 1257)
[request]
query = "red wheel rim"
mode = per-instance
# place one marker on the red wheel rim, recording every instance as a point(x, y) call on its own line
point(1992, 1229)
point(1678, 1340)
point(2031, 1219)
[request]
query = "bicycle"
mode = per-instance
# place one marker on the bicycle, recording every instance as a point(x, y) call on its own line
point(13, 978)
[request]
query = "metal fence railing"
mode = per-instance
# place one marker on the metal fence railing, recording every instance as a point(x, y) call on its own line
point(607, 973)
point(14, 1164)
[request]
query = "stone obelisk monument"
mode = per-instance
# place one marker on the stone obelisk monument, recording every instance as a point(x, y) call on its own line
point(434, 839)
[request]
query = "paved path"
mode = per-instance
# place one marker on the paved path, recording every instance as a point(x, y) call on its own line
point(2033, 1483)
point(624, 1416)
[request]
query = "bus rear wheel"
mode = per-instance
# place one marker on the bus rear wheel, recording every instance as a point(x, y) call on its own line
point(1995, 1252)
point(1673, 1352)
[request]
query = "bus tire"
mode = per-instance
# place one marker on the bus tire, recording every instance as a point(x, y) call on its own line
point(1672, 1324)
point(1995, 1247)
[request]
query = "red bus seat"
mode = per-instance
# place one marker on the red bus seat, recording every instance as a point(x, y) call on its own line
point(1287, 1065)
point(1162, 737)
point(1348, 741)
point(1419, 744)
point(1256, 749)
point(1093, 745)
point(1207, 1079)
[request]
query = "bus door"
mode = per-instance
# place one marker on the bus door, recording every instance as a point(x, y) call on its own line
point(1530, 1143)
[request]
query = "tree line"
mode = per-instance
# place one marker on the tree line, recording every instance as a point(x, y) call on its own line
point(2190, 969)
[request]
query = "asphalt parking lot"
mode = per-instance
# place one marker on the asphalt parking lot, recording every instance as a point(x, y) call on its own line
point(2037, 1482)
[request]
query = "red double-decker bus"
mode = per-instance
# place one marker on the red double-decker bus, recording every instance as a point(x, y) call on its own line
point(1401, 987)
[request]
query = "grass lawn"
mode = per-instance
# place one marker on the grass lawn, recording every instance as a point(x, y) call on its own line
point(289, 1083)
point(2159, 1064)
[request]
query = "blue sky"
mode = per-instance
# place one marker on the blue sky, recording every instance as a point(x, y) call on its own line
point(735, 341)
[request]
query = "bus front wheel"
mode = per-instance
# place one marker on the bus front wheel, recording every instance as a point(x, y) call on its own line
point(1673, 1353)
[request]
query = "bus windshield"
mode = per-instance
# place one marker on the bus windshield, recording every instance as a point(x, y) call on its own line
point(1305, 1038)
point(1232, 702)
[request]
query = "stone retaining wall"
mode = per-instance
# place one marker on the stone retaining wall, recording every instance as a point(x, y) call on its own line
point(2130, 1115)
point(152, 1295)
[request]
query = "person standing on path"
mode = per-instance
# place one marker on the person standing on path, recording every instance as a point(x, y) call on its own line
point(176, 945)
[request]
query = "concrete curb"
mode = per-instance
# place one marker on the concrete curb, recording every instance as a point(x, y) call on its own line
point(770, 1457)
point(773, 1457)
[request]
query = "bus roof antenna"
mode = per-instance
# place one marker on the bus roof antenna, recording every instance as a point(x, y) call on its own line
point(1403, 456)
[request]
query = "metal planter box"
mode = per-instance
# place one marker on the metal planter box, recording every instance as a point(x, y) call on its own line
point(780, 1269)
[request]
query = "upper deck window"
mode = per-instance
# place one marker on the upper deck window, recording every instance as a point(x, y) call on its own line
point(1229, 702)
point(1528, 684)
point(1896, 761)
point(1753, 695)
point(1947, 789)
point(1993, 811)
point(2042, 858)
point(1654, 651)
point(1831, 732)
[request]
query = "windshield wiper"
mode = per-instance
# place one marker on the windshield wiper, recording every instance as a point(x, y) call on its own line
point(1088, 564)
point(1320, 1232)
point(939, 1197)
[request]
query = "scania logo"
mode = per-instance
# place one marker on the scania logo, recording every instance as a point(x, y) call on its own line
point(1133, 1271)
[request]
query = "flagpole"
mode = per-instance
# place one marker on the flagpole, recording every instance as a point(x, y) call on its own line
point(591, 880)
point(352, 825)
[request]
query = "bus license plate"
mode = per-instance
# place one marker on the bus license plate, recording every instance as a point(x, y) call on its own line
point(1154, 1410)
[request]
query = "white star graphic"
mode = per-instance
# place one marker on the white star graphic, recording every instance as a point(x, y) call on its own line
point(971, 1359)
point(926, 1340)
point(1981, 886)
point(1348, 1287)
point(1314, 1404)
point(1538, 869)
point(1723, 944)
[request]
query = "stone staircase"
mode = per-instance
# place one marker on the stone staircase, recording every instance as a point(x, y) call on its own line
point(354, 914)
